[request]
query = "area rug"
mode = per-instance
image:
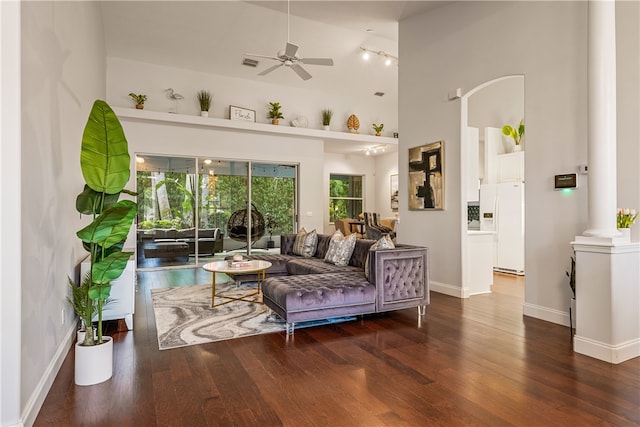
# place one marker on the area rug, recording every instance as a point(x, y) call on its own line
point(184, 316)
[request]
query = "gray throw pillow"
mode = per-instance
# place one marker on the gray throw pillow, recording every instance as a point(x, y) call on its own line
point(340, 249)
point(305, 243)
point(385, 242)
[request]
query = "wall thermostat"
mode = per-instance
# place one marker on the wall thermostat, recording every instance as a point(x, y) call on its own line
point(568, 180)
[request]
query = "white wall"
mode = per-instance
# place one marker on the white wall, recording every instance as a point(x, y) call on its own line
point(628, 100)
point(125, 76)
point(466, 43)
point(63, 72)
point(497, 105)
point(10, 214)
point(385, 166)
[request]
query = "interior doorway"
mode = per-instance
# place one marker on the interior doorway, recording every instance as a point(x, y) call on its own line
point(493, 186)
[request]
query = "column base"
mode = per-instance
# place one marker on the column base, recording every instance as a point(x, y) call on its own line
point(607, 295)
point(609, 353)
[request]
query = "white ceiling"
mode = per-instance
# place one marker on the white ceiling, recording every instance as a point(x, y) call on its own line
point(213, 36)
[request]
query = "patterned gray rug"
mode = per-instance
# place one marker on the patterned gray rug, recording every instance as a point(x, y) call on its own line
point(184, 316)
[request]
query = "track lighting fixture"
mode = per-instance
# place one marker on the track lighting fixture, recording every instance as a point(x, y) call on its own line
point(388, 58)
point(381, 148)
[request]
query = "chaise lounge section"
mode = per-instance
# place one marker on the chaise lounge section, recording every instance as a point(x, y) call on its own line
point(308, 288)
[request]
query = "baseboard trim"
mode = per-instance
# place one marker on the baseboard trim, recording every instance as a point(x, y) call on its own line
point(547, 314)
point(34, 404)
point(445, 288)
point(609, 353)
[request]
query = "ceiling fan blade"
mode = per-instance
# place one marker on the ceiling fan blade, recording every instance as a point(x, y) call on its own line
point(317, 61)
point(291, 50)
point(262, 56)
point(270, 69)
point(301, 72)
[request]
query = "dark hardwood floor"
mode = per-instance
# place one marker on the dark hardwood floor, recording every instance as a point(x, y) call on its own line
point(475, 361)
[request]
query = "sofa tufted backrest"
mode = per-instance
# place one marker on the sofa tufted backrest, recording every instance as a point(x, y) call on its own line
point(360, 252)
point(358, 257)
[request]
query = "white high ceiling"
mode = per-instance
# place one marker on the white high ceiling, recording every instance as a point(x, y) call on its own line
point(213, 36)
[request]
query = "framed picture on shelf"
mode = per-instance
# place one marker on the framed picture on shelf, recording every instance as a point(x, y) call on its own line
point(426, 176)
point(242, 114)
point(394, 192)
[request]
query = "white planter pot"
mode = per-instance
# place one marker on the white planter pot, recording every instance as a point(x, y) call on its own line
point(94, 364)
point(204, 113)
point(626, 234)
point(327, 127)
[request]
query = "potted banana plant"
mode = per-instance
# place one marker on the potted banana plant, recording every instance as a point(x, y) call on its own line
point(105, 164)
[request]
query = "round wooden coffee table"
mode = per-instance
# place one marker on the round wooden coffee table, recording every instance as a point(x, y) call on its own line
point(234, 269)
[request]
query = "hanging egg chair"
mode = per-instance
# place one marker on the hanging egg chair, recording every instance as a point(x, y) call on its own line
point(238, 225)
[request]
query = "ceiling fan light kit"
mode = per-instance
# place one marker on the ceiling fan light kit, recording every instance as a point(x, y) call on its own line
point(289, 58)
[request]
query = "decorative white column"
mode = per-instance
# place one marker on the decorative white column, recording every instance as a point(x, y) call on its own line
point(607, 266)
point(602, 119)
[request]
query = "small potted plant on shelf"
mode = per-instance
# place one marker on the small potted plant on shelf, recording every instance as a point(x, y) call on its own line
point(274, 113)
point(378, 128)
point(204, 99)
point(515, 133)
point(139, 100)
point(326, 119)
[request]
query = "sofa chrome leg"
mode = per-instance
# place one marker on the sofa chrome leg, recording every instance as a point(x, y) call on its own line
point(290, 327)
point(422, 310)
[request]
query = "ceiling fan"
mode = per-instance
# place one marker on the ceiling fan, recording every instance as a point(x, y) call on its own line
point(288, 58)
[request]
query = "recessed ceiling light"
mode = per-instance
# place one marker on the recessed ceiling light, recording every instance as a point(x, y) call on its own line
point(207, 162)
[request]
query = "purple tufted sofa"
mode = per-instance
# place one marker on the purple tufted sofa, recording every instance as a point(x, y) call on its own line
point(302, 289)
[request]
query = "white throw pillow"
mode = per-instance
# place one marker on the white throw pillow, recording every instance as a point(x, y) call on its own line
point(385, 242)
point(305, 243)
point(340, 249)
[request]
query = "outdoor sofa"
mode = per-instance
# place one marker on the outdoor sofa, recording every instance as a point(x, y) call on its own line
point(173, 243)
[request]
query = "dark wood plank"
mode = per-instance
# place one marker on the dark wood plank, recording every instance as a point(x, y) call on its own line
point(477, 361)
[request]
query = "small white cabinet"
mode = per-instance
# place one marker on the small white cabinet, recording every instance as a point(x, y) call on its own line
point(511, 167)
point(480, 255)
point(123, 293)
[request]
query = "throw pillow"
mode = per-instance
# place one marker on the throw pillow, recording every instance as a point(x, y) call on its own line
point(305, 243)
point(385, 242)
point(340, 249)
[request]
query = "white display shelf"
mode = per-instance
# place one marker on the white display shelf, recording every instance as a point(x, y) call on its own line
point(264, 128)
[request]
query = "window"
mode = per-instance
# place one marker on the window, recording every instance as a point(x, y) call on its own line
point(345, 196)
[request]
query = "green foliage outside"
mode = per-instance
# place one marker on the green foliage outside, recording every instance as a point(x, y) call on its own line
point(224, 194)
point(345, 196)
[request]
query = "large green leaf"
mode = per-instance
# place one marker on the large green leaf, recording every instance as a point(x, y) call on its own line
point(88, 202)
point(104, 157)
point(112, 226)
point(109, 269)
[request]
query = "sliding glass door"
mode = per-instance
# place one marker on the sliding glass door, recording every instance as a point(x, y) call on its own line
point(194, 209)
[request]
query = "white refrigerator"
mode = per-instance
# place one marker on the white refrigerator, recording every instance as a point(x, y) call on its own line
point(502, 211)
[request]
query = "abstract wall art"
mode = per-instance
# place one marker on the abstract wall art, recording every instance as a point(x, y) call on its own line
point(426, 176)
